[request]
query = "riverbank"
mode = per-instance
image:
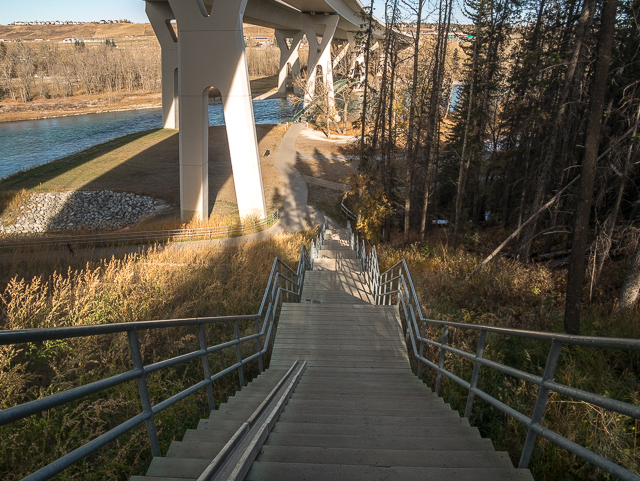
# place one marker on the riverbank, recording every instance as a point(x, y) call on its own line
point(14, 111)
point(11, 111)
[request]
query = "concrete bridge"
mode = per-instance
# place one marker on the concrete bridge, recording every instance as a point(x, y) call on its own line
point(209, 51)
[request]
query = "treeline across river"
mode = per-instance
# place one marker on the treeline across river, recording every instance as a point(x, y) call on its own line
point(30, 71)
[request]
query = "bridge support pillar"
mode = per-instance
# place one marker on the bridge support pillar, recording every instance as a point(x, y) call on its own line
point(349, 46)
point(289, 56)
point(211, 53)
point(320, 52)
point(160, 16)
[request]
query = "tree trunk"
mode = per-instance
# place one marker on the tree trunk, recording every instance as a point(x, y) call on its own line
point(581, 224)
point(433, 118)
point(410, 133)
point(363, 160)
point(465, 158)
point(557, 129)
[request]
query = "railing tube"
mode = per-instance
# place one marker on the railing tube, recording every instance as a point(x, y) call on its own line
point(445, 337)
point(259, 347)
point(423, 331)
point(236, 330)
point(143, 392)
point(476, 372)
point(205, 366)
point(541, 402)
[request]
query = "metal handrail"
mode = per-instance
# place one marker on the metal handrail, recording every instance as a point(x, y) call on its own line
point(143, 236)
point(345, 210)
point(316, 244)
point(395, 286)
point(285, 284)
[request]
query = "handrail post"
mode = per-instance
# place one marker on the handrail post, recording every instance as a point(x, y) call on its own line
point(205, 367)
point(386, 289)
point(259, 346)
point(445, 337)
point(541, 403)
point(397, 281)
point(143, 392)
point(423, 332)
point(476, 372)
point(236, 330)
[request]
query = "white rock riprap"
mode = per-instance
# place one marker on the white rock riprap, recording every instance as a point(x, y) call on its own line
point(81, 210)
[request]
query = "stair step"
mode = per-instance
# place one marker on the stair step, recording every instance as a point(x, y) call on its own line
point(159, 478)
point(182, 468)
point(421, 418)
point(358, 429)
point(359, 364)
point(199, 450)
point(365, 403)
point(266, 471)
point(385, 457)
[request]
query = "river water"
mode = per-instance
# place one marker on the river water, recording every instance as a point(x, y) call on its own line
point(29, 143)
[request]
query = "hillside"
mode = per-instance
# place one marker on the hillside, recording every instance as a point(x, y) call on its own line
point(57, 33)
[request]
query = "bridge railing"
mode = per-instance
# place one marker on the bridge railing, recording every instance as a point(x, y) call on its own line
point(285, 284)
point(395, 287)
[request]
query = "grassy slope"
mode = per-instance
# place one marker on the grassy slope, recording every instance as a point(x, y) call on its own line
point(147, 163)
point(161, 285)
point(224, 281)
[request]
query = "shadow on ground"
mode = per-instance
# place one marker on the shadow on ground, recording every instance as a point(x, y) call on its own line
point(147, 163)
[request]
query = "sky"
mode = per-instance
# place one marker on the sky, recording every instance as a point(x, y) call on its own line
point(88, 10)
point(74, 10)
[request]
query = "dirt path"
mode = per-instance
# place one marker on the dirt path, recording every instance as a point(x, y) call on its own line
point(327, 161)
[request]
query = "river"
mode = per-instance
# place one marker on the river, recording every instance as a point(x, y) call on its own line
point(29, 143)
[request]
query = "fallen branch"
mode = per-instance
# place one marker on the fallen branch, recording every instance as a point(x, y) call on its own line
point(517, 231)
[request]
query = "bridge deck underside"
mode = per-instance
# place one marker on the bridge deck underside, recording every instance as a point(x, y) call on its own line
point(285, 15)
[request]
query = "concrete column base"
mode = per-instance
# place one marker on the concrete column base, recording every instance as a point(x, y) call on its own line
point(288, 56)
point(211, 53)
point(320, 53)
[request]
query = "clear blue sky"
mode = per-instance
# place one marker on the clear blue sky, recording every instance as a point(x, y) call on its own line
point(90, 10)
point(75, 10)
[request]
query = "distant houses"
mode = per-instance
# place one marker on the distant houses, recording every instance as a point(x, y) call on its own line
point(65, 22)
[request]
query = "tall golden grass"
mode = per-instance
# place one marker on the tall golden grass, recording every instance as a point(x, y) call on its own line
point(162, 284)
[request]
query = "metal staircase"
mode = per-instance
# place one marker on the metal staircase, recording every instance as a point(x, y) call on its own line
point(356, 413)
point(339, 400)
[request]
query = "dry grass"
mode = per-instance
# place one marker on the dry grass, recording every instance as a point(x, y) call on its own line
point(162, 284)
point(10, 201)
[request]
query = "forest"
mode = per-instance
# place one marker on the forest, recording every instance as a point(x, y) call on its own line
point(31, 71)
point(542, 143)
